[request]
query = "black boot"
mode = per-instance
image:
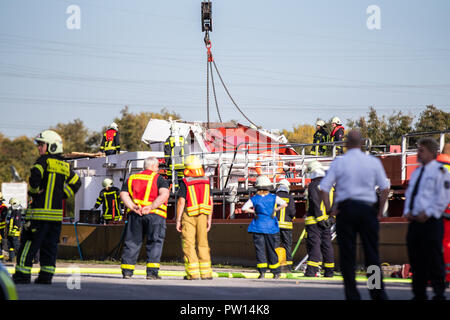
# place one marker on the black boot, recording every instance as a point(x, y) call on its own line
point(44, 278)
point(21, 278)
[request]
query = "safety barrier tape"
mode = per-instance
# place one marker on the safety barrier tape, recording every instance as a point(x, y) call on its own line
point(170, 273)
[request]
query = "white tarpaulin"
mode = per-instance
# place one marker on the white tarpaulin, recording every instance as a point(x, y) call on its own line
point(18, 190)
point(159, 130)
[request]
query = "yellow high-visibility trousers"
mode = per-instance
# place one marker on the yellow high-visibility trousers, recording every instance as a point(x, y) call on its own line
point(195, 246)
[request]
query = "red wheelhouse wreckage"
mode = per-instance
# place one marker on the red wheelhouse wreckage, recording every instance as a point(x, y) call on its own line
point(233, 156)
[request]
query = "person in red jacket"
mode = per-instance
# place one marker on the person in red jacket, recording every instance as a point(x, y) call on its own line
point(110, 141)
point(444, 158)
point(337, 134)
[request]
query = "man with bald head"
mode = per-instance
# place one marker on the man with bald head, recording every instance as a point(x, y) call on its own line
point(355, 176)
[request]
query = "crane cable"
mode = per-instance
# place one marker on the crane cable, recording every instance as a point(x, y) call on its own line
point(209, 67)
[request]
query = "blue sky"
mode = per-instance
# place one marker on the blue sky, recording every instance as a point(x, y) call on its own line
point(285, 62)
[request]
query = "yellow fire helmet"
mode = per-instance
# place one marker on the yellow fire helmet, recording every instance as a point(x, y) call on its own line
point(13, 201)
point(192, 162)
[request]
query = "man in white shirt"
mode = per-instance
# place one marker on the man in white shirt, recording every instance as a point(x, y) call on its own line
point(427, 197)
point(356, 176)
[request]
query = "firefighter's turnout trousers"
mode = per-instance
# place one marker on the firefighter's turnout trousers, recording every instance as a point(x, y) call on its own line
point(154, 226)
point(43, 235)
point(265, 229)
point(266, 256)
point(51, 181)
point(320, 250)
point(194, 224)
point(195, 245)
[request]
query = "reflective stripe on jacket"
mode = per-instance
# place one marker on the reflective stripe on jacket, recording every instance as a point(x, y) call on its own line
point(51, 181)
point(110, 200)
point(198, 196)
point(110, 141)
point(174, 152)
point(286, 215)
point(316, 209)
point(143, 189)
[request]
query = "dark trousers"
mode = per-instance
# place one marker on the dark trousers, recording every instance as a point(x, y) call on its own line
point(2, 242)
point(266, 256)
point(154, 228)
point(110, 152)
point(284, 240)
point(425, 255)
point(319, 249)
point(42, 236)
point(356, 217)
point(13, 246)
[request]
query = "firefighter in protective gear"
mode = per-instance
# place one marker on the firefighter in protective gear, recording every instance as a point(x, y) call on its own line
point(264, 226)
point(318, 227)
point(337, 134)
point(194, 216)
point(320, 136)
point(51, 181)
point(14, 227)
point(109, 198)
point(111, 141)
point(7, 288)
point(444, 158)
point(145, 194)
point(3, 214)
point(285, 217)
point(174, 155)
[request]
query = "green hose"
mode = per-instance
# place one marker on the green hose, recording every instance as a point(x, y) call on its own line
point(299, 241)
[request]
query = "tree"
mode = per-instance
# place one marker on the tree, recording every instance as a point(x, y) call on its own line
point(302, 133)
point(132, 127)
point(373, 127)
point(433, 119)
point(20, 153)
point(398, 124)
point(74, 135)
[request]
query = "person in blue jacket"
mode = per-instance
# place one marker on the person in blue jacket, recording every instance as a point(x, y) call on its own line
point(264, 226)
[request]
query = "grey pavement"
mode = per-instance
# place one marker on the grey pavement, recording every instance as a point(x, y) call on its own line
point(113, 287)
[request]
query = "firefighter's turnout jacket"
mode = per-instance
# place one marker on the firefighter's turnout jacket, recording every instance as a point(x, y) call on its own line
point(111, 204)
point(51, 181)
point(110, 142)
point(320, 136)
